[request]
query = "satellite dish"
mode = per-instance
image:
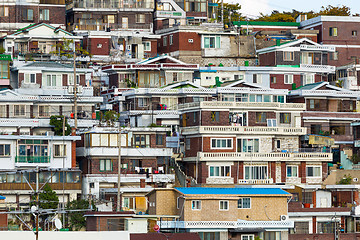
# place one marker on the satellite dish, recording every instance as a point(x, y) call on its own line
point(58, 224)
point(33, 209)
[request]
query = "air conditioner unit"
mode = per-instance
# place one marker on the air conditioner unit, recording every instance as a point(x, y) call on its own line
point(355, 179)
point(190, 40)
point(71, 89)
point(284, 218)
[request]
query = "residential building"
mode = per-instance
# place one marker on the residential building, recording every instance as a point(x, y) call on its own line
point(144, 164)
point(40, 42)
point(248, 135)
point(347, 76)
point(19, 14)
point(5, 60)
point(223, 213)
point(340, 32)
point(329, 112)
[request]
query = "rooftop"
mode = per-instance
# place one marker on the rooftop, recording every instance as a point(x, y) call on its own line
point(233, 191)
point(259, 23)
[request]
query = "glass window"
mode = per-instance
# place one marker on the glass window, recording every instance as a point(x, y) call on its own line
point(223, 205)
point(219, 171)
point(261, 117)
point(140, 18)
point(313, 171)
point(59, 150)
point(221, 143)
point(211, 42)
point(141, 140)
point(285, 118)
point(44, 111)
point(44, 14)
point(159, 139)
point(4, 150)
point(288, 79)
point(196, 205)
point(147, 46)
point(244, 203)
point(250, 145)
point(291, 171)
point(19, 110)
point(333, 31)
point(256, 172)
point(215, 116)
point(105, 165)
point(288, 56)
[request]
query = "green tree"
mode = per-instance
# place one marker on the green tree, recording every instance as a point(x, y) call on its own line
point(346, 180)
point(276, 16)
point(65, 49)
point(111, 117)
point(335, 11)
point(48, 198)
point(58, 121)
point(231, 12)
point(76, 219)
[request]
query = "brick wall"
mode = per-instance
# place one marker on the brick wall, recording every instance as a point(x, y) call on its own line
point(207, 145)
point(267, 59)
point(252, 118)
point(195, 147)
point(39, 79)
point(302, 172)
point(99, 46)
point(223, 119)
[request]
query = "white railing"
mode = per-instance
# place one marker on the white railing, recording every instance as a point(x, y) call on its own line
point(256, 181)
point(226, 224)
point(244, 130)
point(253, 90)
point(173, 113)
point(261, 105)
point(317, 48)
point(329, 93)
point(326, 68)
point(279, 156)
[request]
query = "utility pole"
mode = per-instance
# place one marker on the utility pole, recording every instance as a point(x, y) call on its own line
point(118, 208)
point(62, 154)
point(222, 12)
point(75, 92)
point(37, 204)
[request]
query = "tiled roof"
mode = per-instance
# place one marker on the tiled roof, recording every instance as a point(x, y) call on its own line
point(233, 191)
point(48, 64)
point(2, 197)
point(311, 86)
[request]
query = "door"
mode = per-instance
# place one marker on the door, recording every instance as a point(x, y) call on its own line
point(297, 121)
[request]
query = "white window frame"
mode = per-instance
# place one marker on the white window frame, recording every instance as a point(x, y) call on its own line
point(2, 111)
point(140, 18)
point(128, 206)
point(292, 167)
point(320, 173)
point(171, 39)
point(6, 154)
point(71, 79)
point(221, 170)
point(242, 204)
point(223, 204)
point(28, 78)
point(251, 171)
point(288, 56)
point(44, 15)
point(217, 42)
point(288, 78)
point(20, 106)
point(197, 205)
point(217, 143)
point(147, 46)
point(61, 150)
point(308, 78)
point(247, 236)
point(4, 12)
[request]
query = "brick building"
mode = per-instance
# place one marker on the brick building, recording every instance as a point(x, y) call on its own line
point(19, 14)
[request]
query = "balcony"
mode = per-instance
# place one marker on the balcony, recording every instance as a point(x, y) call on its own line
point(110, 27)
point(244, 130)
point(114, 151)
point(42, 122)
point(318, 68)
point(256, 181)
point(243, 105)
point(226, 224)
point(272, 156)
point(317, 48)
point(27, 161)
point(160, 113)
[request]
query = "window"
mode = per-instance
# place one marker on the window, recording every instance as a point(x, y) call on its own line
point(71, 80)
point(325, 227)
point(221, 143)
point(44, 14)
point(244, 203)
point(223, 205)
point(3, 111)
point(291, 171)
point(215, 116)
point(129, 203)
point(4, 150)
point(354, 33)
point(209, 235)
point(300, 228)
point(313, 171)
point(219, 171)
point(308, 79)
point(288, 79)
point(165, 41)
point(147, 46)
point(4, 11)
point(29, 78)
point(171, 39)
point(280, 99)
point(256, 78)
point(4, 69)
point(249, 145)
point(285, 118)
point(333, 32)
point(34, 151)
point(196, 205)
point(288, 56)
point(141, 140)
point(140, 18)
point(99, 45)
point(159, 139)
point(271, 122)
point(105, 165)
point(256, 172)
point(211, 42)
point(314, 103)
point(28, 14)
point(334, 56)
point(178, 202)
point(143, 102)
point(272, 79)
point(278, 143)
point(19, 110)
point(109, 18)
point(315, 128)
point(261, 117)
point(247, 237)
point(187, 144)
point(44, 111)
point(59, 150)
point(51, 80)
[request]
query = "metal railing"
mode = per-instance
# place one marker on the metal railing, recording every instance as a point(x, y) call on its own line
point(32, 159)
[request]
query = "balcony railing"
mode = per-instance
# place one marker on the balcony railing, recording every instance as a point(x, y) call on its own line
point(32, 159)
point(320, 68)
point(317, 48)
point(256, 181)
point(226, 224)
point(110, 27)
point(244, 130)
point(279, 156)
point(242, 105)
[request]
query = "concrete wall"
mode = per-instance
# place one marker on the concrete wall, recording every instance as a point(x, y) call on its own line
point(17, 235)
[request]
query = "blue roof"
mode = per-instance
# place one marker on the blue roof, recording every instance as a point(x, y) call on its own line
point(2, 197)
point(233, 191)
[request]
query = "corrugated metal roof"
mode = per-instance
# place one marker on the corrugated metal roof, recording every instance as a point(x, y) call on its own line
point(2, 197)
point(233, 191)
